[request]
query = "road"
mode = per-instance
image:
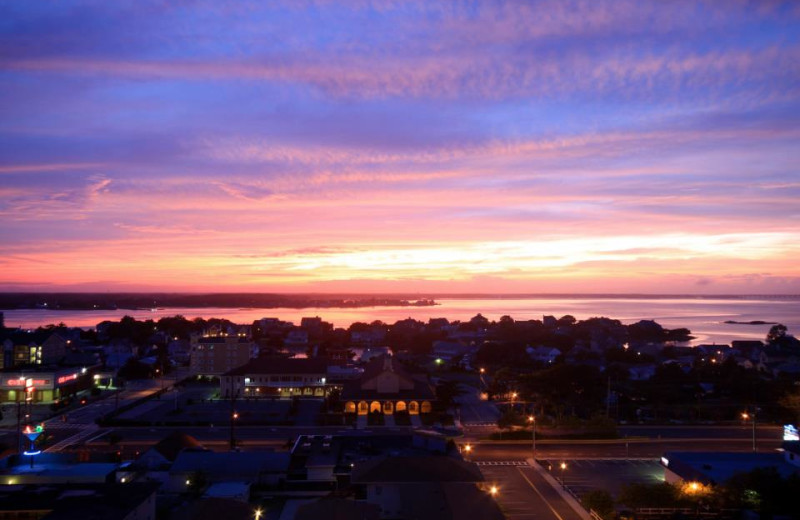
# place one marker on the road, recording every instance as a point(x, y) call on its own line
point(523, 493)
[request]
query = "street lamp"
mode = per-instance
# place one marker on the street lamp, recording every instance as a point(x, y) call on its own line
point(745, 417)
point(532, 420)
point(563, 466)
point(257, 513)
point(493, 490)
point(234, 416)
point(467, 449)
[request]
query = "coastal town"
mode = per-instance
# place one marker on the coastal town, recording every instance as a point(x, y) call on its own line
point(278, 420)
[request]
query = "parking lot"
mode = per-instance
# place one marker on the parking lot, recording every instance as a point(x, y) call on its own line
point(523, 494)
point(196, 406)
point(584, 475)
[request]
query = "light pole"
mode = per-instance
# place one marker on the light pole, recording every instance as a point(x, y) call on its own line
point(234, 416)
point(563, 466)
point(532, 420)
point(745, 417)
point(467, 451)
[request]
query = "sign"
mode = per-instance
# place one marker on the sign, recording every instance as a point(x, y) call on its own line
point(26, 382)
point(790, 433)
point(63, 379)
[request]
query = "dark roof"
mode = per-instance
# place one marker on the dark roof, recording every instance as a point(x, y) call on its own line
point(415, 469)
point(338, 509)
point(84, 501)
point(214, 509)
point(718, 467)
point(376, 366)
point(281, 365)
point(220, 466)
point(352, 391)
point(223, 339)
point(447, 501)
point(171, 445)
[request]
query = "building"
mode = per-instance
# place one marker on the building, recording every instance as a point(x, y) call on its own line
point(253, 468)
point(277, 377)
point(42, 385)
point(710, 468)
point(385, 387)
point(88, 502)
point(213, 355)
point(32, 348)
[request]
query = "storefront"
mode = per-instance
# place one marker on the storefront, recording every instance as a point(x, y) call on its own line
point(43, 386)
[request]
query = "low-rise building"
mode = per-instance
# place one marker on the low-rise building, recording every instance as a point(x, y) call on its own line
point(385, 387)
point(88, 502)
point(277, 377)
point(43, 385)
point(32, 348)
point(425, 487)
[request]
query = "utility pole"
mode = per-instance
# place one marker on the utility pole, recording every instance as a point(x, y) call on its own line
point(234, 416)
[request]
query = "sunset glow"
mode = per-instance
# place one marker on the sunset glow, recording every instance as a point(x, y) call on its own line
point(603, 146)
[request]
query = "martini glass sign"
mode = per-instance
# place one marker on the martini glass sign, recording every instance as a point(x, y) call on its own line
point(32, 434)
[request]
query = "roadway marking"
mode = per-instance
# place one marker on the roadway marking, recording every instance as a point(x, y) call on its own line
point(501, 463)
point(539, 493)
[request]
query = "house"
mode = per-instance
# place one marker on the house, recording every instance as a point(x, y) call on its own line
point(32, 348)
point(214, 508)
point(296, 338)
point(85, 501)
point(546, 355)
point(333, 508)
point(277, 376)
point(164, 453)
point(449, 349)
point(385, 387)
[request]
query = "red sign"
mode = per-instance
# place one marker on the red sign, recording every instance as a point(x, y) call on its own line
point(26, 382)
point(64, 379)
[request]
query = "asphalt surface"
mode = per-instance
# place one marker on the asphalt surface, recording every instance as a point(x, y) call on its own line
point(524, 494)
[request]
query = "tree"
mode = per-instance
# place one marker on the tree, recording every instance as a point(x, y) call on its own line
point(509, 419)
point(791, 401)
point(776, 333)
point(446, 393)
point(636, 495)
point(600, 501)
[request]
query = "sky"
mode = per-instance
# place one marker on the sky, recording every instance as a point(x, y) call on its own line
point(400, 146)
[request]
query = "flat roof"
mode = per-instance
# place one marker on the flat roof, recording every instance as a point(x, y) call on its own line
point(718, 467)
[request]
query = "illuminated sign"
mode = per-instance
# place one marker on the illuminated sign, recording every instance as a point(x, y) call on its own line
point(26, 382)
point(64, 379)
point(790, 433)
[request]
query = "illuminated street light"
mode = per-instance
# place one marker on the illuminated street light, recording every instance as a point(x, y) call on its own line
point(493, 491)
point(467, 450)
point(751, 416)
point(258, 512)
point(532, 420)
point(563, 466)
